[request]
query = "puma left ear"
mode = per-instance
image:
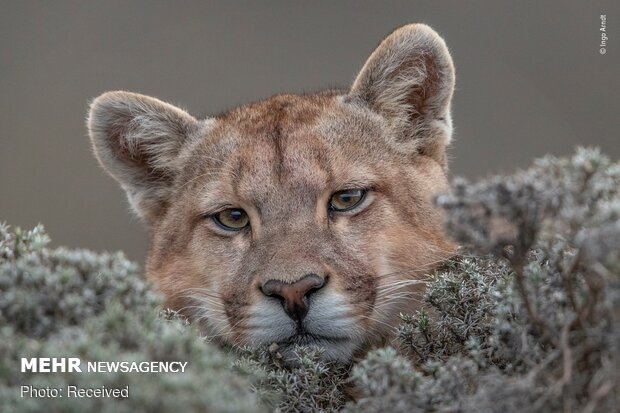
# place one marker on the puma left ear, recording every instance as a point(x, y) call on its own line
point(409, 80)
point(137, 139)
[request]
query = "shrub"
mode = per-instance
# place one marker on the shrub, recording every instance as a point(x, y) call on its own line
point(75, 303)
point(535, 324)
point(525, 318)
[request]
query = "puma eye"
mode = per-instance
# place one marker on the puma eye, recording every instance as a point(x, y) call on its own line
point(346, 200)
point(232, 219)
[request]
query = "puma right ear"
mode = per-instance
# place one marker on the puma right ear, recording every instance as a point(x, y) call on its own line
point(409, 80)
point(137, 139)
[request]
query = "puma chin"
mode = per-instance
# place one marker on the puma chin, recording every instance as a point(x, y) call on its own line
point(299, 219)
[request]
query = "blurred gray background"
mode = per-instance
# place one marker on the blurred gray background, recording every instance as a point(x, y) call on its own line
point(530, 81)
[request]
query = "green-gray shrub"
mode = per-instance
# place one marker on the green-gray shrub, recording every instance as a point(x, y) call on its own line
point(74, 303)
point(525, 318)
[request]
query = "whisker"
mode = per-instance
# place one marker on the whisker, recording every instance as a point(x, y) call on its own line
point(391, 327)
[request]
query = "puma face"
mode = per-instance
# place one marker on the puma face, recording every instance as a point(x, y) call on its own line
point(299, 219)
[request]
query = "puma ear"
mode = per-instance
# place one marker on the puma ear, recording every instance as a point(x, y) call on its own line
point(409, 80)
point(137, 139)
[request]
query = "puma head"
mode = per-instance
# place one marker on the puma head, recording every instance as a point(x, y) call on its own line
point(299, 219)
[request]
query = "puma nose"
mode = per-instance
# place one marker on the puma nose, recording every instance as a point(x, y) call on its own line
point(293, 296)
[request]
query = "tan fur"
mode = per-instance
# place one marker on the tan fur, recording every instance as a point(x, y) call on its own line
point(280, 160)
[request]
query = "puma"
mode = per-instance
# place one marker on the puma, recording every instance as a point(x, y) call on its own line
point(299, 219)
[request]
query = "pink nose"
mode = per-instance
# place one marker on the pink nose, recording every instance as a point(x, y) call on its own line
point(293, 296)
